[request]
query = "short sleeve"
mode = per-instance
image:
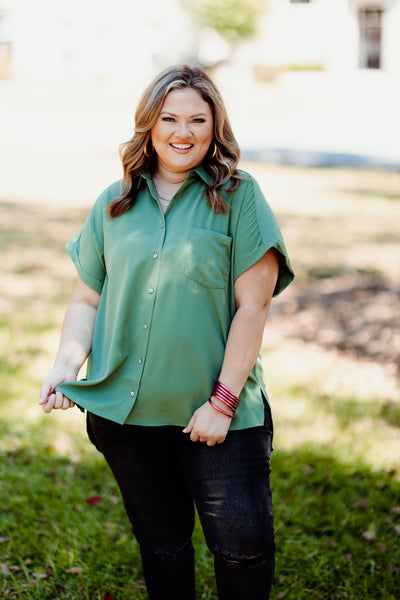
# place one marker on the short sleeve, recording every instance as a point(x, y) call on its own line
point(257, 231)
point(86, 248)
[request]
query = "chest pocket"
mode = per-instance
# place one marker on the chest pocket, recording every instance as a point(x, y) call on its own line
point(207, 259)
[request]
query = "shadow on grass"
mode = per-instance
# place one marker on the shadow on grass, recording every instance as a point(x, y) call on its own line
point(356, 314)
point(64, 533)
point(337, 528)
point(63, 530)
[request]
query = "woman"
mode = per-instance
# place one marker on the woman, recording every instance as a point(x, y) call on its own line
point(177, 265)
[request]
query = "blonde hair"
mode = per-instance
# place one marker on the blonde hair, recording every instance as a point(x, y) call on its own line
point(220, 161)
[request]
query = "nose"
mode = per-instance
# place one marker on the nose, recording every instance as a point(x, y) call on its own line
point(183, 128)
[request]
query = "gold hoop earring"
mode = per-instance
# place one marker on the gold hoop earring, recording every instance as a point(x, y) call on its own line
point(145, 151)
point(215, 151)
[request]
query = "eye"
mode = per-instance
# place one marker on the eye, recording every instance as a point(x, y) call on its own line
point(199, 120)
point(168, 119)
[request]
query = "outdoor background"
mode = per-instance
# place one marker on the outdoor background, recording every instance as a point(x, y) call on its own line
point(321, 136)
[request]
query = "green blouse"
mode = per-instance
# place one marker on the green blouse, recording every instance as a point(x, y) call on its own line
point(167, 300)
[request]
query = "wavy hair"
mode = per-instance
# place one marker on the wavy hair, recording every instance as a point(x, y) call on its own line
point(220, 161)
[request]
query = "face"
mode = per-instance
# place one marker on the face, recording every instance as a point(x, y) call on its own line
point(183, 133)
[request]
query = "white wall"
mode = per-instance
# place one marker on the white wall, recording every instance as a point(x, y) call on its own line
point(391, 41)
point(97, 39)
point(325, 32)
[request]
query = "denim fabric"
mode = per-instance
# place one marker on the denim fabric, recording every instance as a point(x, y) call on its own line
point(161, 474)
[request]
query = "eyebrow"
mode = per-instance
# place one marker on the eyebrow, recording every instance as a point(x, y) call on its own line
point(166, 112)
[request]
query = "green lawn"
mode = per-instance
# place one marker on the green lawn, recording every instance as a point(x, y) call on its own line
point(336, 478)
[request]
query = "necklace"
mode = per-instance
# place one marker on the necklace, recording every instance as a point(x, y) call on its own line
point(162, 198)
point(164, 202)
point(167, 187)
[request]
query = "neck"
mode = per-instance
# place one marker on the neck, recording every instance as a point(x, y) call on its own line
point(170, 177)
point(164, 187)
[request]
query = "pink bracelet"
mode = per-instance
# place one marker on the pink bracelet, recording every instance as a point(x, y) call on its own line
point(226, 396)
point(220, 409)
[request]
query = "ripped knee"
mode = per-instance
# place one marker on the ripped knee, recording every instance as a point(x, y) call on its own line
point(167, 553)
point(243, 560)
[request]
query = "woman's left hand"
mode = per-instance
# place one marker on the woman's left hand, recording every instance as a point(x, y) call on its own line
point(208, 425)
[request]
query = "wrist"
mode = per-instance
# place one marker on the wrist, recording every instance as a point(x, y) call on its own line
point(220, 404)
point(220, 407)
point(225, 396)
point(66, 365)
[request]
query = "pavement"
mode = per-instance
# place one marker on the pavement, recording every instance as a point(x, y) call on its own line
point(60, 143)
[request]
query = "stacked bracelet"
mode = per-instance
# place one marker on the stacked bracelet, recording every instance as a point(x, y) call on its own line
point(221, 410)
point(225, 395)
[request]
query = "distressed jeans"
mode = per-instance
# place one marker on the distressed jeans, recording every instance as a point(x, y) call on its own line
point(162, 474)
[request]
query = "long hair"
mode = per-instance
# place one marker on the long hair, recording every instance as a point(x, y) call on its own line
point(221, 159)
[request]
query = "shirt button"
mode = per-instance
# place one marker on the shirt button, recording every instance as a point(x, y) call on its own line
point(140, 361)
point(132, 394)
point(162, 226)
point(151, 290)
point(145, 326)
point(155, 255)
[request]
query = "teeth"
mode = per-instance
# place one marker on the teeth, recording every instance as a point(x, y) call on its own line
point(182, 146)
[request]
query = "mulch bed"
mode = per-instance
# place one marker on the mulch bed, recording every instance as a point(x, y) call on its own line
point(358, 315)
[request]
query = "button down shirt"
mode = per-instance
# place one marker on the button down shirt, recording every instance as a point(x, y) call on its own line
point(167, 299)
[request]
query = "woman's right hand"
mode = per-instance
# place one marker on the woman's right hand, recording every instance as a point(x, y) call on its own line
point(75, 346)
point(49, 397)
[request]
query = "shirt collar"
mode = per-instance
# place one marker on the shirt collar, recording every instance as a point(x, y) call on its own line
point(202, 173)
point(199, 171)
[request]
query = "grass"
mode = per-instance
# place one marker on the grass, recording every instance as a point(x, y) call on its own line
point(336, 480)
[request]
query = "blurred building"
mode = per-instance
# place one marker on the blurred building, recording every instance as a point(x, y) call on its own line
point(337, 35)
point(106, 40)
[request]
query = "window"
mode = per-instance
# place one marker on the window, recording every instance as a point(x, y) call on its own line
point(370, 20)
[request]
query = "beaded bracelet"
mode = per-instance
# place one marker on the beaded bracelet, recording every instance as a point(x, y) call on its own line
point(226, 396)
point(221, 410)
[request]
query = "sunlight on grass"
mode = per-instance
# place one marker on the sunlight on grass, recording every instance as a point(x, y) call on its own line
point(334, 404)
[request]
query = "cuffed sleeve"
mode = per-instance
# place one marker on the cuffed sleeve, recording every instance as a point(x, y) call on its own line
point(86, 248)
point(257, 231)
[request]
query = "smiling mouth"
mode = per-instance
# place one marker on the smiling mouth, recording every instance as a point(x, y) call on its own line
point(181, 146)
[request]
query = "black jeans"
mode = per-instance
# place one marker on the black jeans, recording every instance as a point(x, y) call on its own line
point(160, 472)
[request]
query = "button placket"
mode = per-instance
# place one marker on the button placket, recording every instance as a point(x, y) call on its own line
point(145, 326)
